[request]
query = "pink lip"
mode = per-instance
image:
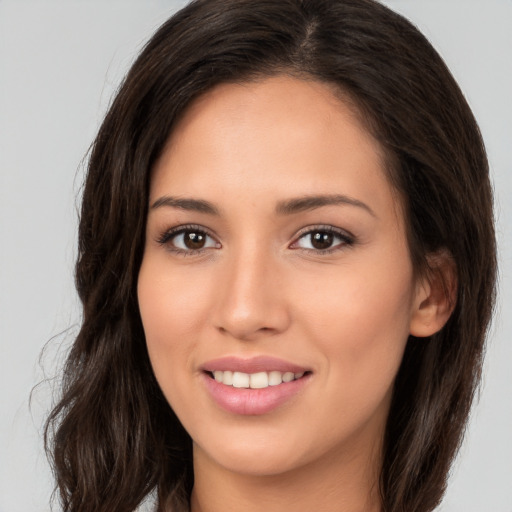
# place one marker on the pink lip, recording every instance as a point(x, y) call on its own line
point(246, 401)
point(252, 365)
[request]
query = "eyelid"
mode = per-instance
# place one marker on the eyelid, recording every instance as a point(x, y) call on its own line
point(347, 238)
point(167, 235)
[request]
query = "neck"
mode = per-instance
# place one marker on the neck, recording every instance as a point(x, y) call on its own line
point(350, 486)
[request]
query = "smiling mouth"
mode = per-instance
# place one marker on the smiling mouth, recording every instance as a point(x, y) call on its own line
point(259, 380)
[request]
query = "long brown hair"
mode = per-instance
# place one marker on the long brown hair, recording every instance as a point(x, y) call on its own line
point(113, 439)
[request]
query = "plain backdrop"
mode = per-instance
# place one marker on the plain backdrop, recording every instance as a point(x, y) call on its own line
point(60, 62)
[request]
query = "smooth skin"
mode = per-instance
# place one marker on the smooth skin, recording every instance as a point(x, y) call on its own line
point(242, 274)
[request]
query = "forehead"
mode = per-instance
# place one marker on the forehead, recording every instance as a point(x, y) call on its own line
point(271, 101)
point(275, 136)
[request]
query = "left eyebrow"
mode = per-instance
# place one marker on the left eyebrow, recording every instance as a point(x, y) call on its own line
point(190, 204)
point(304, 203)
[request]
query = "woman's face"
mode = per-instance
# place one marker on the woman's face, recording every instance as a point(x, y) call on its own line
point(275, 250)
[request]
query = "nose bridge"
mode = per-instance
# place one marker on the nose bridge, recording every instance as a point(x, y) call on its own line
point(250, 301)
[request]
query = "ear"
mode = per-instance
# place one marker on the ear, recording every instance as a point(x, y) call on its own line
point(436, 295)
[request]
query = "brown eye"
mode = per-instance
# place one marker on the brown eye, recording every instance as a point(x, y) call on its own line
point(321, 240)
point(188, 240)
point(194, 240)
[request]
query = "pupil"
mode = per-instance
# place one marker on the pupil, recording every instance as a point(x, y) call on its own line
point(321, 240)
point(194, 240)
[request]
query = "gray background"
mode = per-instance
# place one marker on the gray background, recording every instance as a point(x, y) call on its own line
point(60, 62)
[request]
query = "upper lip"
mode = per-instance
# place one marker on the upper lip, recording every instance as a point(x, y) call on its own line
point(252, 365)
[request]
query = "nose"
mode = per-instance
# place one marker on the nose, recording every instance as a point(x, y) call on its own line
point(251, 301)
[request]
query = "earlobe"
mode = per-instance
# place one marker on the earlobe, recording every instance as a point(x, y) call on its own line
point(436, 294)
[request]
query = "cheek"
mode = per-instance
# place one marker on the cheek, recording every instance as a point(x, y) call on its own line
point(173, 310)
point(360, 319)
point(172, 303)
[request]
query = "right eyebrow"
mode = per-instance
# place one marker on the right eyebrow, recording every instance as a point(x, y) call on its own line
point(196, 205)
point(304, 203)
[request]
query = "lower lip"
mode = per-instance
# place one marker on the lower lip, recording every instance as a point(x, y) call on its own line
point(247, 401)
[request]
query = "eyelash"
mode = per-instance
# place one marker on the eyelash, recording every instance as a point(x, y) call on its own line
point(347, 239)
point(167, 236)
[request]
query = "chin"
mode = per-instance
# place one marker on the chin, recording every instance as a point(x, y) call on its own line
point(252, 456)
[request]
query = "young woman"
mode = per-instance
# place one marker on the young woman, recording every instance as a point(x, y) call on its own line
point(285, 282)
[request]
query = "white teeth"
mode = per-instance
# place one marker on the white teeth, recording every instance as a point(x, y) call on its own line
point(258, 380)
point(288, 376)
point(275, 378)
point(240, 380)
point(228, 378)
